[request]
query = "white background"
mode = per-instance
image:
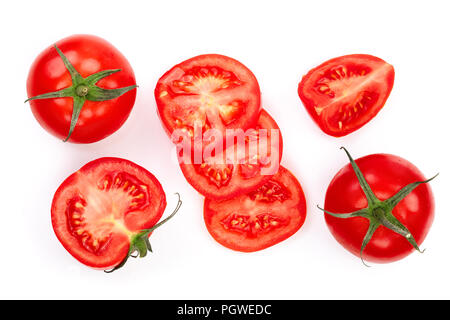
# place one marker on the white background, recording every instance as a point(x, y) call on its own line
point(279, 41)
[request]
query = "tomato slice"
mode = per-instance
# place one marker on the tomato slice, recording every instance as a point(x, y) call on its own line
point(97, 210)
point(239, 168)
point(261, 218)
point(212, 90)
point(344, 93)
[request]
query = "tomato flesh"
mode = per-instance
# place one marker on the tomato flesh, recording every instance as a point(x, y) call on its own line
point(98, 208)
point(386, 174)
point(259, 219)
point(212, 90)
point(344, 93)
point(222, 177)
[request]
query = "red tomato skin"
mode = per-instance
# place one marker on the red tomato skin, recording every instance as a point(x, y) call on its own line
point(88, 54)
point(310, 104)
point(386, 175)
point(119, 246)
point(235, 243)
point(209, 59)
point(233, 189)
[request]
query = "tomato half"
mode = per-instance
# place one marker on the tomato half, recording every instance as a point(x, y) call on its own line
point(98, 211)
point(97, 102)
point(389, 238)
point(261, 218)
point(238, 168)
point(213, 90)
point(344, 93)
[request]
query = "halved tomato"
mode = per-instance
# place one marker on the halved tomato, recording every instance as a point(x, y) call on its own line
point(344, 93)
point(106, 210)
point(261, 218)
point(213, 90)
point(239, 167)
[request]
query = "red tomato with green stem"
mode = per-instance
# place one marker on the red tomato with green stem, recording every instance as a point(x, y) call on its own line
point(105, 212)
point(343, 94)
point(379, 207)
point(82, 89)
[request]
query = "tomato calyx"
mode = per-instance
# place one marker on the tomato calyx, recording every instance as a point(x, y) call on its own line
point(83, 89)
point(140, 243)
point(379, 213)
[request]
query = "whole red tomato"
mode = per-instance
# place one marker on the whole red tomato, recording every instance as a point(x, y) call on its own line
point(81, 89)
point(379, 207)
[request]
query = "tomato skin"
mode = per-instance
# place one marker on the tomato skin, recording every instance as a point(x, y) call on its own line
point(326, 109)
point(238, 184)
point(88, 54)
point(81, 182)
point(386, 175)
point(291, 210)
point(167, 107)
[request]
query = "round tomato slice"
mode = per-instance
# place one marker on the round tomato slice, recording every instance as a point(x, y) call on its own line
point(261, 218)
point(99, 211)
point(208, 91)
point(344, 93)
point(239, 167)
